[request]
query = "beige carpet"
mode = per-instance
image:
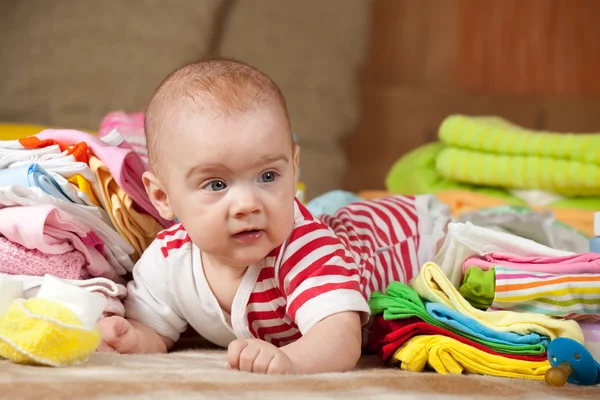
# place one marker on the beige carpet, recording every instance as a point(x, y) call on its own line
point(201, 374)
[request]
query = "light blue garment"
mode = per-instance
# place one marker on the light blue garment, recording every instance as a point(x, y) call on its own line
point(328, 203)
point(466, 324)
point(32, 175)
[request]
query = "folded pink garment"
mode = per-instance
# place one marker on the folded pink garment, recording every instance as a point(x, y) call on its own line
point(131, 127)
point(18, 260)
point(115, 293)
point(123, 163)
point(54, 231)
point(583, 263)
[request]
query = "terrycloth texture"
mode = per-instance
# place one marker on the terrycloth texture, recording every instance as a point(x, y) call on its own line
point(431, 284)
point(56, 328)
point(55, 231)
point(386, 336)
point(124, 165)
point(18, 260)
point(130, 127)
point(400, 302)
point(478, 287)
point(584, 263)
point(572, 296)
point(415, 173)
point(449, 356)
point(493, 152)
point(139, 229)
point(465, 240)
point(499, 136)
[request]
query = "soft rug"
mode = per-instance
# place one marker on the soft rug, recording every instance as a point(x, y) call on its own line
point(201, 374)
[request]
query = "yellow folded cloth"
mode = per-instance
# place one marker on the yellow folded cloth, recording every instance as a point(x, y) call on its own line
point(449, 356)
point(432, 285)
point(54, 328)
point(84, 186)
point(139, 229)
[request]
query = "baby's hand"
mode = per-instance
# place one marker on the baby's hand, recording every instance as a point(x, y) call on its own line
point(253, 355)
point(118, 335)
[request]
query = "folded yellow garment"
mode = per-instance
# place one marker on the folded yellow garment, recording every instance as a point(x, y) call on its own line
point(85, 187)
point(447, 355)
point(566, 177)
point(432, 285)
point(461, 201)
point(45, 332)
point(139, 229)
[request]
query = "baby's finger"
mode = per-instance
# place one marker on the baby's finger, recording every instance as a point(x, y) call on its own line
point(104, 347)
point(247, 358)
point(262, 361)
point(279, 365)
point(234, 350)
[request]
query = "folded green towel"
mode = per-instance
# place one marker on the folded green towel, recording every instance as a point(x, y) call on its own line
point(401, 301)
point(493, 152)
point(498, 136)
point(566, 177)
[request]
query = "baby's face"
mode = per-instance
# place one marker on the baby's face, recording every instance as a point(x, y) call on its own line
point(231, 181)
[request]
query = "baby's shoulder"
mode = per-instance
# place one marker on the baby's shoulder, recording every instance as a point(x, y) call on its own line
point(171, 246)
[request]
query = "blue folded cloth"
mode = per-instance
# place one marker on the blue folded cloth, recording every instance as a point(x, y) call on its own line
point(328, 203)
point(468, 325)
point(32, 175)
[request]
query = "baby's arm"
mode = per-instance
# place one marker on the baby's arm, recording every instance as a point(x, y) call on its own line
point(152, 322)
point(332, 345)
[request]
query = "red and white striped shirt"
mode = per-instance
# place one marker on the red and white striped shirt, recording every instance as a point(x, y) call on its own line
point(328, 265)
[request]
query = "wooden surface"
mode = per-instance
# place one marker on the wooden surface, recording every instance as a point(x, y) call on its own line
point(432, 58)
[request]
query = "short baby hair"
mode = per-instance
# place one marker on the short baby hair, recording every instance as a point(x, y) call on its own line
point(224, 85)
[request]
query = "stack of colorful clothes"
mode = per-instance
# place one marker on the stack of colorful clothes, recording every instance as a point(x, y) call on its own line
point(73, 205)
point(484, 162)
point(429, 324)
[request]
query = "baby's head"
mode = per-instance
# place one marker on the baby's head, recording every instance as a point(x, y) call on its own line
point(223, 159)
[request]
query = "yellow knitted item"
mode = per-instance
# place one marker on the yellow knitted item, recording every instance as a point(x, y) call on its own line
point(44, 332)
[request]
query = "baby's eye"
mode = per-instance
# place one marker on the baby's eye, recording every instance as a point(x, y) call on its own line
point(268, 176)
point(215, 186)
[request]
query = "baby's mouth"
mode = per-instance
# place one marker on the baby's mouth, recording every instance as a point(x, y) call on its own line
point(249, 234)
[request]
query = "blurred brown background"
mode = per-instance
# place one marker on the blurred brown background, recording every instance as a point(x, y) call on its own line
point(534, 62)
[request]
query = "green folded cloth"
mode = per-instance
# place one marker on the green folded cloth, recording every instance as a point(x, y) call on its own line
point(415, 173)
point(479, 287)
point(499, 136)
point(401, 301)
point(494, 152)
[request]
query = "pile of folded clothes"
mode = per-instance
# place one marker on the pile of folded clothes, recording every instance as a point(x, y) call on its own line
point(73, 205)
point(429, 324)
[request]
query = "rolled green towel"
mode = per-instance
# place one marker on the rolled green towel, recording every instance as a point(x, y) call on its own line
point(499, 136)
point(566, 177)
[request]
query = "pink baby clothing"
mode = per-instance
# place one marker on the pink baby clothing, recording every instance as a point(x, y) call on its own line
point(130, 126)
point(583, 263)
point(18, 260)
point(53, 231)
point(124, 164)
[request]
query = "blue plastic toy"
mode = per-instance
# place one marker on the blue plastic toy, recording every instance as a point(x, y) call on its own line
point(571, 362)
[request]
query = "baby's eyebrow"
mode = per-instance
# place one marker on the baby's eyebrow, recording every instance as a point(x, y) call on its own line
point(271, 159)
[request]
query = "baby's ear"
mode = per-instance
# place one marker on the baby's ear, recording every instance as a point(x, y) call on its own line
point(158, 195)
point(296, 160)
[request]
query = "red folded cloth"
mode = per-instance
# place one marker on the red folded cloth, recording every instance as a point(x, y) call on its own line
point(386, 336)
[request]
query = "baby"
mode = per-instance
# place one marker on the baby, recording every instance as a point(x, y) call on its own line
point(248, 267)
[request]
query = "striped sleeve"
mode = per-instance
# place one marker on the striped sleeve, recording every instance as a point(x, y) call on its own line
point(319, 277)
point(149, 298)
